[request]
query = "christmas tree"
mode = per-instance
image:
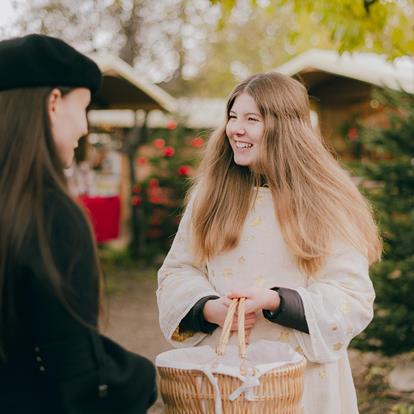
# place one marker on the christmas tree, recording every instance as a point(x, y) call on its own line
point(389, 184)
point(170, 159)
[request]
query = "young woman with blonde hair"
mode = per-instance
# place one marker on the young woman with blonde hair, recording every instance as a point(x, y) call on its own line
point(272, 217)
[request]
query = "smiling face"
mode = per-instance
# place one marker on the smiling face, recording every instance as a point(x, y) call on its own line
point(244, 130)
point(67, 114)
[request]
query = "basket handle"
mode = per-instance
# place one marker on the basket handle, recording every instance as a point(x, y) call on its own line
point(225, 333)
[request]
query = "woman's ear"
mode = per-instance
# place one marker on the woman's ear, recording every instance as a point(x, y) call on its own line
point(54, 101)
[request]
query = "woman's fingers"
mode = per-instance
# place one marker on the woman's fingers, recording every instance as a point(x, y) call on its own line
point(249, 321)
point(250, 307)
point(235, 294)
point(226, 301)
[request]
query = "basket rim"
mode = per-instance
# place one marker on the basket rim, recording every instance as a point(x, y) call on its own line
point(278, 370)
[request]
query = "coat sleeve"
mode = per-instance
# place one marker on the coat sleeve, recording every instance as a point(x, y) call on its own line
point(338, 304)
point(181, 284)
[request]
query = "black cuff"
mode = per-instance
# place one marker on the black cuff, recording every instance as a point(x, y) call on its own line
point(290, 312)
point(194, 320)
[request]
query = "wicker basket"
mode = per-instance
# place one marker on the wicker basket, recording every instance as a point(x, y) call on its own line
point(191, 391)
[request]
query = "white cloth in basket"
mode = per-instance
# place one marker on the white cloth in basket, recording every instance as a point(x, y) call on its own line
point(262, 355)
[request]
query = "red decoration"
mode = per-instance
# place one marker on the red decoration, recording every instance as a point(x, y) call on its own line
point(141, 161)
point(353, 134)
point(184, 170)
point(136, 188)
point(171, 125)
point(169, 152)
point(159, 143)
point(156, 195)
point(136, 200)
point(197, 142)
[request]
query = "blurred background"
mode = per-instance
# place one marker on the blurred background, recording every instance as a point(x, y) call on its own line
point(168, 67)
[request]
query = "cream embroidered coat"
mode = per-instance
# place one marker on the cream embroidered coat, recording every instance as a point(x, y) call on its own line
point(338, 302)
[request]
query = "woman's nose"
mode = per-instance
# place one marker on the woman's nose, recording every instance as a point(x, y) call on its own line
point(237, 128)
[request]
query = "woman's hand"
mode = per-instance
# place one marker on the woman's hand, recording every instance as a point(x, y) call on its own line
point(257, 299)
point(215, 311)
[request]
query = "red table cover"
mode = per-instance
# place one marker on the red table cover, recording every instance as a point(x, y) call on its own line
point(105, 214)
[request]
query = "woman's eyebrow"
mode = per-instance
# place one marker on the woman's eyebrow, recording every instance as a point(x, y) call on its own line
point(247, 113)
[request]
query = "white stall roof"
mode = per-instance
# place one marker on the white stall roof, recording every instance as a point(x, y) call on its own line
point(366, 67)
point(124, 88)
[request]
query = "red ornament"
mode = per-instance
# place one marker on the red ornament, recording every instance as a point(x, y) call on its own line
point(141, 161)
point(197, 142)
point(159, 143)
point(136, 188)
point(171, 125)
point(184, 170)
point(153, 183)
point(136, 200)
point(353, 134)
point(169, 152)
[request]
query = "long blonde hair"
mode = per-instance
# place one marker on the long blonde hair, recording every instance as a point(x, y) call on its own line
point(315, 200)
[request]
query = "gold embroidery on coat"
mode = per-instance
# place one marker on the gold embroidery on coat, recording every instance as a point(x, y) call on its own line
point(250, 238)
point(345, 308)
point(299, 350)
point(322, 373)
point(256, 221)
point(242, 260)
point(181, 336)
point(259, 281)
point(337, 346)
point(227, 273)
point(284, 336)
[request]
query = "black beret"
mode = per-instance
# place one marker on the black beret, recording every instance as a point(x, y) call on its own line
point(38, 60)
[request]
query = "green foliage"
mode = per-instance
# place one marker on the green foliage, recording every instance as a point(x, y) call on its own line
point(170, 158)
point(389, 183)
point(381, 26)
point(403, 409)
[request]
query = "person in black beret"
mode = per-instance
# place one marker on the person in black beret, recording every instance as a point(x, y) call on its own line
point(52, 357)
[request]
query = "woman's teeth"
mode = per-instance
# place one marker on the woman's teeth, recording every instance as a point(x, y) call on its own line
point(243, 145)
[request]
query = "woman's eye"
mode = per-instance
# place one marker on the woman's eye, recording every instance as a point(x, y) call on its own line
point(232, 117)
point(253, 119)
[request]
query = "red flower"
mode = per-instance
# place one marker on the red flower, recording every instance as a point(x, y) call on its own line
point(197, 142)
point(168, 152)
point(142, 160)
point(136, 200)
point(153, 183)
point(171, 124)
point(184, 170)
point(353, 134)
point(159, 143)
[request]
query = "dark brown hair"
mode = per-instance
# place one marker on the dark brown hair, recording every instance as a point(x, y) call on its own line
point(29, 166)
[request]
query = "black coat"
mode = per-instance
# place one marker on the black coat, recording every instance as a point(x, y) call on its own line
point(55, 363)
